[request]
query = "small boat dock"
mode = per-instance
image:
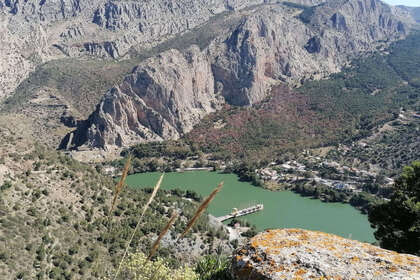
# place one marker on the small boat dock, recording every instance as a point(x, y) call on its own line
point(238, 213)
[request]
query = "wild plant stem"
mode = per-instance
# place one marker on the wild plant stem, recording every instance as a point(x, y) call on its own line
point(200, 210)
point(155, 245)
point(146, 206)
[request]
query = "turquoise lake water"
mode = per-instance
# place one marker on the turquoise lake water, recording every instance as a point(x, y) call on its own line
point(282, 209)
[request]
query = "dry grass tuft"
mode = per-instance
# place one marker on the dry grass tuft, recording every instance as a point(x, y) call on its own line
point(201, 209)
point(172, 220)
point(162, 234)
point(146, 206)
point(120, 185)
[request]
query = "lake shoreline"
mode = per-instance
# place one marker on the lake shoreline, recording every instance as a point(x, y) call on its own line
point(282, 209)
point(362, 206)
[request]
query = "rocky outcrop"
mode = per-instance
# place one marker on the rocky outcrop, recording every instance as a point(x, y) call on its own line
point(271, 44)
point(414, 12)
point(161, 99)
point(101, 28)
point(303, 254)
point(44, 10)
point(28, 32)
point(105, 29)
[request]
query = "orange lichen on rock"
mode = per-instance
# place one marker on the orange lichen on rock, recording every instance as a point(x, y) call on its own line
point(300, 272)
point(397, 260)
point(354, 260)
point(392, 268)
point(279, 268)
point(303, 254)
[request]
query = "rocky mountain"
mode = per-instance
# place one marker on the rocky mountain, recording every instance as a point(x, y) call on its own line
point(269, 44)
point(59, 58)
point(302, 254)
point(168, 94)
point(33, 32)
point(413, 11)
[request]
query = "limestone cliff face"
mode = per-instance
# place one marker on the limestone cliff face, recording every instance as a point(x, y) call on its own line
point(162, 98)
point(30, 32)
point(34, 31)
point(302, 254)
point(272, 43)
point(414, 12)
point(269, 42)
point(153, 19)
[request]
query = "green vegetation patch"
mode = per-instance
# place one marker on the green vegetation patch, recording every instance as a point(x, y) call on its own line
point(81, 82)
point(397, 221)
point(56, 224)
point(345, 107)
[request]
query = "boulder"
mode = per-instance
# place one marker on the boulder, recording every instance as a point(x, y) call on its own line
point(304, 254)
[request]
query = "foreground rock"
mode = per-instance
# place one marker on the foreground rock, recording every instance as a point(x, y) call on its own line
point(303, 254)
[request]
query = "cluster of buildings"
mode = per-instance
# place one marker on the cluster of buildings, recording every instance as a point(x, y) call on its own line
point(321, 171)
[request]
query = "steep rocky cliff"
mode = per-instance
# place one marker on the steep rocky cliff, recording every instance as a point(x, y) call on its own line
point(270, 44)
point(302, 254)
point(413, 11)
point(30, 32)
point(33, 32)
point(257, 44)
point(164, 96)
point(73, 51)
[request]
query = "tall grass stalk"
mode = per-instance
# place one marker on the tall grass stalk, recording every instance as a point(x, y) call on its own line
point(146, 206)
point(200, 210)
point(120, 185)
point(162, 234)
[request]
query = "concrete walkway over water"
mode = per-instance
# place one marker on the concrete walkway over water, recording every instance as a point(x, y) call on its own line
point(241, 212)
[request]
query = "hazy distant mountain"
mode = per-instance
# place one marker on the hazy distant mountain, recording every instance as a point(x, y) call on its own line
point(414, 11)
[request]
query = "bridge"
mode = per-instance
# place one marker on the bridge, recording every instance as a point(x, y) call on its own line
point(238, 213)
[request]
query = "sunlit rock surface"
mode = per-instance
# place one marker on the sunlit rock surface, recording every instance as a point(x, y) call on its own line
point(303, 254)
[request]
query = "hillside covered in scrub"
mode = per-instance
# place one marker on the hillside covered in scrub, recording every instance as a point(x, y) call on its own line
point(320, 97)
point(54, 219)
point(345, 107)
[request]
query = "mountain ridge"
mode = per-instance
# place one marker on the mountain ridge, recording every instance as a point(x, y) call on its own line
point(250, 46)
point(245, 63)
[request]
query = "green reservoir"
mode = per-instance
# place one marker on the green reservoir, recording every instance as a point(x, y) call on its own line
point(281, 209)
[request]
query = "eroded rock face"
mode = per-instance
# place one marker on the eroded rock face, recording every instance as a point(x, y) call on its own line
point(161, 99)
point(303, 254)
point(271, 44)
point(267, 43)
point(37, 31)
point(30, 31)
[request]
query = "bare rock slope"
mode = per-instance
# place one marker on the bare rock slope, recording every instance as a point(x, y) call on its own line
point(302, 254)
point(33, 32)
point(271, 43)
point(73, 51)
point(166, 95)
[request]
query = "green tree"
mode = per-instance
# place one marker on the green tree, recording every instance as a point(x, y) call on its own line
point(397, 222)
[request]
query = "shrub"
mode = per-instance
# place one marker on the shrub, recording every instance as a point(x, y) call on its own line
point(6, 185)
point(213, 268)
point(138, 268)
